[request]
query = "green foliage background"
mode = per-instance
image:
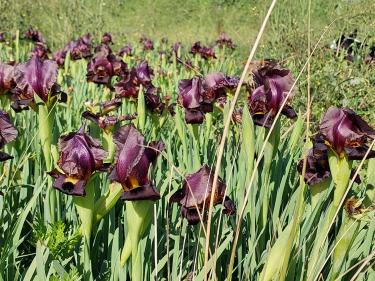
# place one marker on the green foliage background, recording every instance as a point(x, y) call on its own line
point(31, 249)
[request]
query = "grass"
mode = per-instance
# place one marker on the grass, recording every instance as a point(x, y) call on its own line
point(35, 247)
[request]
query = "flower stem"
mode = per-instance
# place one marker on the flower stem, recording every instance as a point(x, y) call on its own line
point(45, 120)
point(340, 169)
point(109, 145)
point(344, 240)
point(107, 201)
point(45, 133)
point(269, 152)
point(139, 216)
point(85, 209)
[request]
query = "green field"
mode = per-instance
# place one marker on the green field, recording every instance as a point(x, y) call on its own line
point(283, 228)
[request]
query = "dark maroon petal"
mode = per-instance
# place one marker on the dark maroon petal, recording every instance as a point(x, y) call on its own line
point(107, 38)
point(317, 166)
point(68, 187)
point(196, 48)
point(78, 49)
point(91, 116)
point(204, 52)
point(192, 215)
point(102, 50)
point(229, 207)
point(177, 196)
point(40, 50)
point(258, 102)
point(108, 122)
point(206, 107)
point(97, 150)
point(196, 193)
point(176, 46)
point(217, 84)
point(129, 150)
point(273, 84)
point(34, 35)
point(360, 124)
point(125, 51)
point(127, 87)
point(153, 150)
point(214, 86)
point(2, 37)
point(269, 71)
point(132, 163)
point(207, 53)
point(197, 187)
point(289, 112)
point(4, 156)
point(101, 69)
point(144, 73)
point(111, 105)
point(358, 153)
point(264, 120)
point(224, 40)
point(147, 43)
point(63, 97)
point(153, 102)
point(36, 76)
point(6, 77)
point(80, 155)
point(221, 101)
point(190, 92)
point(8, 132)
point(342, 128)
point(59, 57)
point(357, 179)
point(193, 116)
point(147, 192)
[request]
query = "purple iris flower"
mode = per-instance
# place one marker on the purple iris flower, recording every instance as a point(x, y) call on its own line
point(80, 156)
point(132, 163)
point(195, 195)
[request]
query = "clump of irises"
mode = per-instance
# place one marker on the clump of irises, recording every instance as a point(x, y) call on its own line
point(125, 151)
point(198, 95)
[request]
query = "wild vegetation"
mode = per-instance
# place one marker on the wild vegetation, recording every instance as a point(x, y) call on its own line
point(128, 157)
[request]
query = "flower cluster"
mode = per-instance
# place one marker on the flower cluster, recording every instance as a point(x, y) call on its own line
point(77, 49)
point(36, 77)
point(204, 52)
point(104, 66)
point(346, 134)
point(272, 85)
point(225, 41)
point(197, 95)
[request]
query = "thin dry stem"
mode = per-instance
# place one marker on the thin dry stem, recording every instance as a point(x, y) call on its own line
point(248, 189)
point(226, 129)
